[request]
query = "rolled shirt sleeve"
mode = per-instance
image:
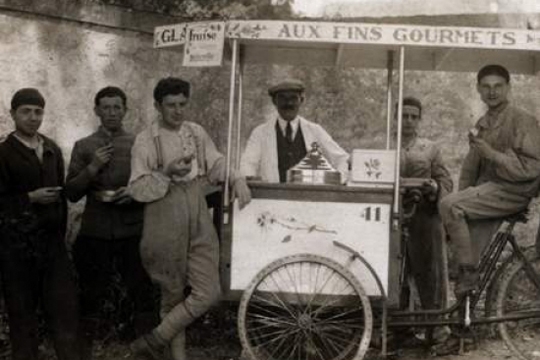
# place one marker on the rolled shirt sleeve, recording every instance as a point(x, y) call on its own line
point(147, 183)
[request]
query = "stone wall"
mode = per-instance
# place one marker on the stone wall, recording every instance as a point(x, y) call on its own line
point(69, 58)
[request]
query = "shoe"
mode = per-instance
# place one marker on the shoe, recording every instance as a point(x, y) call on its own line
point(440, 335)
point(406, 339)
point(451, 346)
point(467, 280)
point(146, 347)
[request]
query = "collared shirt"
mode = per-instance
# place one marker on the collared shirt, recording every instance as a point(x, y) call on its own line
point(37, 147)
point(295, 123)
point(150, 183)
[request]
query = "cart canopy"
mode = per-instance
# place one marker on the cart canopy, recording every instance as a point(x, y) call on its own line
point(366, 45)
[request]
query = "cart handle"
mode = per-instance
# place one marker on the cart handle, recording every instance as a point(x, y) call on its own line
point(356, 255)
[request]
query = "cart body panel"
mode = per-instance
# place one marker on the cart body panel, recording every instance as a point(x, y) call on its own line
point(283, 220)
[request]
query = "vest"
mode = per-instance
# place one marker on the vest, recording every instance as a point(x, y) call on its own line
point(289, 154)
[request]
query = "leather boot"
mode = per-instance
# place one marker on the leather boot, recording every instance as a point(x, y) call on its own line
point(467, 280)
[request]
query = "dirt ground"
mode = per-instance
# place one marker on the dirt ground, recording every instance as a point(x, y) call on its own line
point(214, 337)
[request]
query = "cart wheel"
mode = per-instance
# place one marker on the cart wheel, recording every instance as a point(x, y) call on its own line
point(305, 307)
point(518, 293)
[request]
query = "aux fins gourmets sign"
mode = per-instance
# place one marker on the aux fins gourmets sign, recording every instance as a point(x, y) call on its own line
point(361, 33)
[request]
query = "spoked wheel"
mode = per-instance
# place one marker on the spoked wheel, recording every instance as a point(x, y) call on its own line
point(518, 295)
point(305, 307)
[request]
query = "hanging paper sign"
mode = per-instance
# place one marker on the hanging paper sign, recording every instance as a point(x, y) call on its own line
point(170, 35)
point(204, 44)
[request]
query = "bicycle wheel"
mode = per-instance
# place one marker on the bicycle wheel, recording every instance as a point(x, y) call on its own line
point(517, 293)
point(305, 307)
point(493, 286)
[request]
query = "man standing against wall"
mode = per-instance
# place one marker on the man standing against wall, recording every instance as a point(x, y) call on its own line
point(422, 158)
point(172, 160)
point(109, 238)
point(34, 262)
point(280, 143)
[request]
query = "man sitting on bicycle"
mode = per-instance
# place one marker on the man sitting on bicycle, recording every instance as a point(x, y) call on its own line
point(499, 176)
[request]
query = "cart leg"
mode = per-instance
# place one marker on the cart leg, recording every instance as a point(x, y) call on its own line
point(384, 329)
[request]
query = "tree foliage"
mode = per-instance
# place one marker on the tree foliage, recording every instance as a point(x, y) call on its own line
point(210, 9)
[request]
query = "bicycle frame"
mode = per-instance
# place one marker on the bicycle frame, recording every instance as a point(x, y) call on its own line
point(487, 269)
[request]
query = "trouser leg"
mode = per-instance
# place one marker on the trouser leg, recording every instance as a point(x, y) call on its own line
point(483, 202)
point(203, 279)
point(60, 299)
point(20, 280)
point(425, 258)
point(178, 346)
point(93, 262)
point(141, 312)
point(202, 271)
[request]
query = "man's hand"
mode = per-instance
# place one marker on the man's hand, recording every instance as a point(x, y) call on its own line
point(242, 192)
point(484, 149)
point(179, 167)
point(122, 196)
point(102, 156)
point(45, 195)
point(430, 190)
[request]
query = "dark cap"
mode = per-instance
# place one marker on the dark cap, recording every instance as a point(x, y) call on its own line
point(286, 85)
point(493, 69)
point(411, 101)
point(27, 96)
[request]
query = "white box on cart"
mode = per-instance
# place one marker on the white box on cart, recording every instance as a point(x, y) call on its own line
point(372, 168)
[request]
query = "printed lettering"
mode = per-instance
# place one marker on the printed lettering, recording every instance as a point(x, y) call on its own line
point(337, 31)
point(376, 33)
point(400, 35)
point(284, 32)
point(314, 32)
point(299, 31)
point(431, 36)
point(372, 214)
point(493, 35)
point(475, 37)
point(462, 36)
point(446, 35)
point(361, 33)
point(194, 36)
point(416, 35)
point(509, 38)
point(168, 35)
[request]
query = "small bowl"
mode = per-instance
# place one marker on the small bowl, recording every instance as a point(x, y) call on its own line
point(106, 195)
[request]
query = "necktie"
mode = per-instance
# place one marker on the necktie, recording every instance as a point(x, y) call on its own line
point(288, 132)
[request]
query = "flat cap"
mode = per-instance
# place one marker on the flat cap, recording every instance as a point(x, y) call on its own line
point(287, 85)
point(27, 96)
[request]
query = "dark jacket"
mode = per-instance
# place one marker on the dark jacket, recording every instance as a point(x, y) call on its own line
point(22, 172)
point(101, 219)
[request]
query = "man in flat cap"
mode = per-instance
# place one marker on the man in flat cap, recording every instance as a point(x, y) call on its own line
point(280, 143)
point(499, 176)
point(34, 262)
